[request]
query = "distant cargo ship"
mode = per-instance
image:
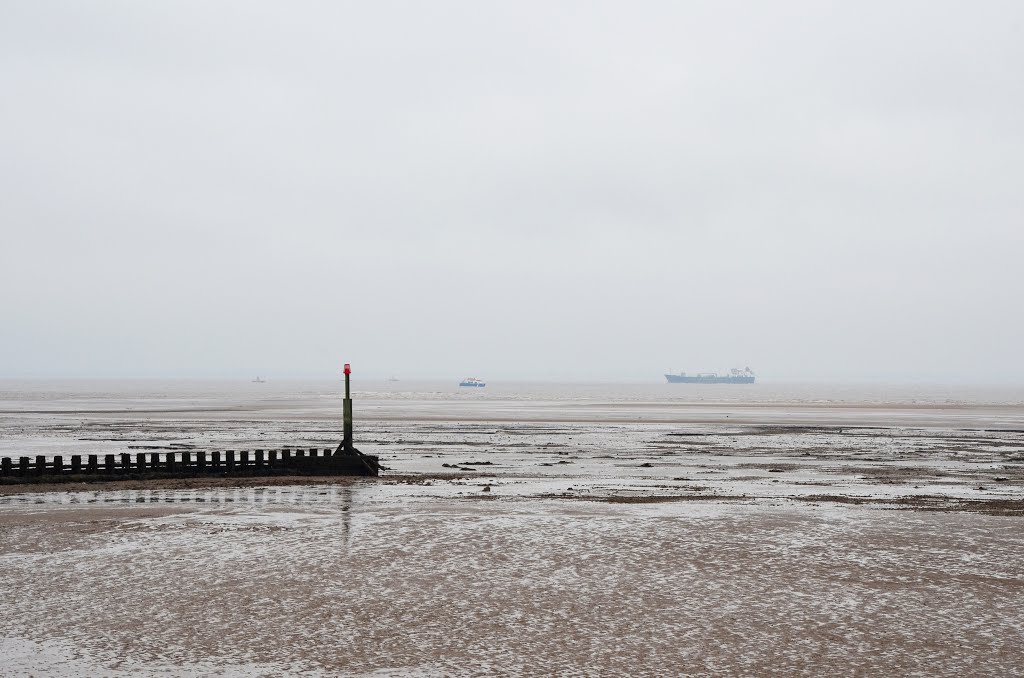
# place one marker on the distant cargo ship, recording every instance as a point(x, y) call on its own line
point(472, 381)
point(735, 376)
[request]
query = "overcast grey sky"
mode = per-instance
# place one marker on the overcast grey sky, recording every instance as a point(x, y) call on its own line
point(563, 190)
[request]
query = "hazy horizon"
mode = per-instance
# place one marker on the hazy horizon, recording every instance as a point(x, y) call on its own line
point(362, 381)
point(573, 191)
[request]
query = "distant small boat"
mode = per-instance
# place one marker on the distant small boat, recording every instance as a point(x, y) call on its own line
point(392, 379)
point(259, 380)
point(472, 381)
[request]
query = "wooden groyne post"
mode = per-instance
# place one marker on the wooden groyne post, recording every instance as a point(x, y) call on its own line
point(347, 446)
point(346, 413)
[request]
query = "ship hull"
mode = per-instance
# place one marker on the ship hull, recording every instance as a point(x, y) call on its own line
point(682, 379)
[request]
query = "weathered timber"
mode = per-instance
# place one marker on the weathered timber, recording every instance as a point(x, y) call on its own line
point(123, 466)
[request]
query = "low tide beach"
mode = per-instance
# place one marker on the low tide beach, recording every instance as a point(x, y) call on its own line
point(530, 529)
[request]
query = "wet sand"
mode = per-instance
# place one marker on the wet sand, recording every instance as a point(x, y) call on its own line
point(593, 545)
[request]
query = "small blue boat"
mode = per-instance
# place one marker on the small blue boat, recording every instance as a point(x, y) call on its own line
point(472, 381)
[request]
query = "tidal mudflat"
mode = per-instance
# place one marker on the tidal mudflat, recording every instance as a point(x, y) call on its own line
point(531, 531)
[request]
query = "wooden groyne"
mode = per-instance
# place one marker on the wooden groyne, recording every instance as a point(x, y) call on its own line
point(185, 464)
point(346, 460)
